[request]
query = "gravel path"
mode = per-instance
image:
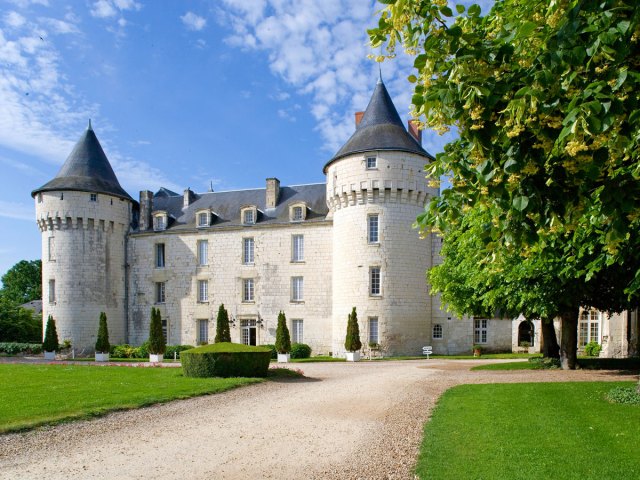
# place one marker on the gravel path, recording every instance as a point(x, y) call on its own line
point(345, 421)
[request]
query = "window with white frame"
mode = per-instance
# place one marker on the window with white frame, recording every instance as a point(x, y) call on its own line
point(160, 292)
point(297, 214)
point(52, 291)
point(297, 289)
point(248, 247)
point(297, 248)
point(160, 222)
point(93, 197)
point(297, 331)
point(203, 219)
point(437, 331)
point(372, 162)
point(249, 331)
point(249, 216)
point(480, 330)
point(203, 331)
point(373, 330)
point(373, 228)
point(248, 290)
point(374, 281)
point(203, 252)
point(203, 291)
point(160, 260)
point(165, 329)
point(51, 248)
point(589, 327)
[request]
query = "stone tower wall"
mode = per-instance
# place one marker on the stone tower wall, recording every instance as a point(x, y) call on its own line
point(397, 191)
point(83, 252)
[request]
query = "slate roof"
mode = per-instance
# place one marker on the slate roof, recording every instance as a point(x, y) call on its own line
point(87, 169)
point(226, 206)
point(380, 129)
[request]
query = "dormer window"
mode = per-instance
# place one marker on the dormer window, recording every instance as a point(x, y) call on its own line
point(249, 215)
point(297, 212)
point(93, 197)
point(160, 221)
point(372, 163)
point(203, 218)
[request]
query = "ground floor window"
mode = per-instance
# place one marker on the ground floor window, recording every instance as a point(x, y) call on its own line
point(297, 331)
point(437, 331)
point(589, 327)
point(480, 330)
point(203, 331)
point(249, 332)
point(165, 329)
point(373, 330)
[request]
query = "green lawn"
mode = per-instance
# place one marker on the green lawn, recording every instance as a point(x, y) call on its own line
point(531, 431)
point(32, 395)
point(587, 363)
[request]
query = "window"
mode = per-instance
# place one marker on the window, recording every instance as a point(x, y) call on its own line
point(248, 217)
point(203, 252)
point(159, 255)
point(297, 248)
point(247, 251)
point(372, 228)
point(297, 331)
point(589, 327)
point(165, 329)
point(297, 289)
point(374, 281)
point(160, 222)
point(203, 219)
point(248, 290)
point(51, 249)
point(203, 331)
point(203, 290)
point(297, 214)
point(372, 162)
point(373, 330)
point(437, 331)
point(160, 291)
point(52, 291)
point(480, 330)
point(249, 331)
point(93, 197)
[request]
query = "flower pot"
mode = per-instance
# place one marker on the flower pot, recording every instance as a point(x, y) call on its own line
point(156, 357)
point(102, 357)
point(284, 357)
point(49, 355)
point(353, 356)
point(477, 352)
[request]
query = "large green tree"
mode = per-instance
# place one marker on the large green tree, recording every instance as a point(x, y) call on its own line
point(544, 98)
point(23, 282)
point(18, 324)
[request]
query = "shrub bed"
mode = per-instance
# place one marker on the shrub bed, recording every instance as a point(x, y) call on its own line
point(128, 351)
point(226, 360)
point(171, 349)
point(14, 348)
point(300, 350)
point(274, 353)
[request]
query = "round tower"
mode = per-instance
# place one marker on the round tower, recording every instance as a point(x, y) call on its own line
point(376, 187)
point(84, 216)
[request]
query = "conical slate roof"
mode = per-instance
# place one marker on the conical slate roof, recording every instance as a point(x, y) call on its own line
point(87, 169)
point(380, 129)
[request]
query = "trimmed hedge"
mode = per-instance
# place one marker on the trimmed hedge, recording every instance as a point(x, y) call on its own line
point(274, 352)
point(226, 360)
point(300, 350)
point(13, 348)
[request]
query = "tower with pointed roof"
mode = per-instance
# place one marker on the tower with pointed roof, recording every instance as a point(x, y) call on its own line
point(84, 217)
point(376, 187)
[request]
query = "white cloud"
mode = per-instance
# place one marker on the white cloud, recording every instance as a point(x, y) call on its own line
point(104, 9)
point(193, 22)
point(19, 211)
point(286, 115)
point(60, 27)
point(26, 3)
point(14, 20)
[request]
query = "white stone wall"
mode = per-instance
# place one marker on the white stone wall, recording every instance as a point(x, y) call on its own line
point(272, 272)
point(87, 263)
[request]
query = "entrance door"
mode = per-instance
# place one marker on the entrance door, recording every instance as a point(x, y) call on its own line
point(249, 332)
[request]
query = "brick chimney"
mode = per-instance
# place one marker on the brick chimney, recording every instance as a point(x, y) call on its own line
point(273, 192)
point(188, 198)
point(359, 116)
point(146, 206)
point(414, 131)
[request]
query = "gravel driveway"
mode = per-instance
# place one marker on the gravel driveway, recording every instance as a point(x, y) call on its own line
point(345, 421)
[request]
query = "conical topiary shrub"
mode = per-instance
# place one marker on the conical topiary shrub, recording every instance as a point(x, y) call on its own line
point(157, 342)
point(352, 342)
point(102, 343)
point(50, 344)
point(283, 340)
point(223, 334)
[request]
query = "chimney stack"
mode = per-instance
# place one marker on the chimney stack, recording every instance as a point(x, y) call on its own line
point(359, 116)
point(188, 199)
point(414, 131)
point(146, 206)
point(273, 192)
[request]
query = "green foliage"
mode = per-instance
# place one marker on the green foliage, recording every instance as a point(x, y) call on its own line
point(50, 343)
point(102, 342)
point(274, 352)
point(128, 351)
point(545, 362)
point(283, 340)
point(592, 349)
point(121, 351)
point(226, 360)
point(300, 350)
point(18, 324)
point(223, 333)
point(157, 342)
point(23, 282)
point(624, 395)
point(171, 349)
point(352, 341)
point(13, 348)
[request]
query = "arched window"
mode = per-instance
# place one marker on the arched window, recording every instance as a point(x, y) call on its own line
point(526, 333)
point(437, 331)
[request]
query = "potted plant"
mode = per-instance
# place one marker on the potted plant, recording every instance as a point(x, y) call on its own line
point(477, 350)
point(352, 342)
point(50, 345)
point(102, 342)
point(283, 340)
point(157, 342)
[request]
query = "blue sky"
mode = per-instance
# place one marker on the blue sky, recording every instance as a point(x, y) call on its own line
point(181, 94)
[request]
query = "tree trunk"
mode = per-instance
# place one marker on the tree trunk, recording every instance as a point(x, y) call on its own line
point(550, 347)
point(569, 340)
